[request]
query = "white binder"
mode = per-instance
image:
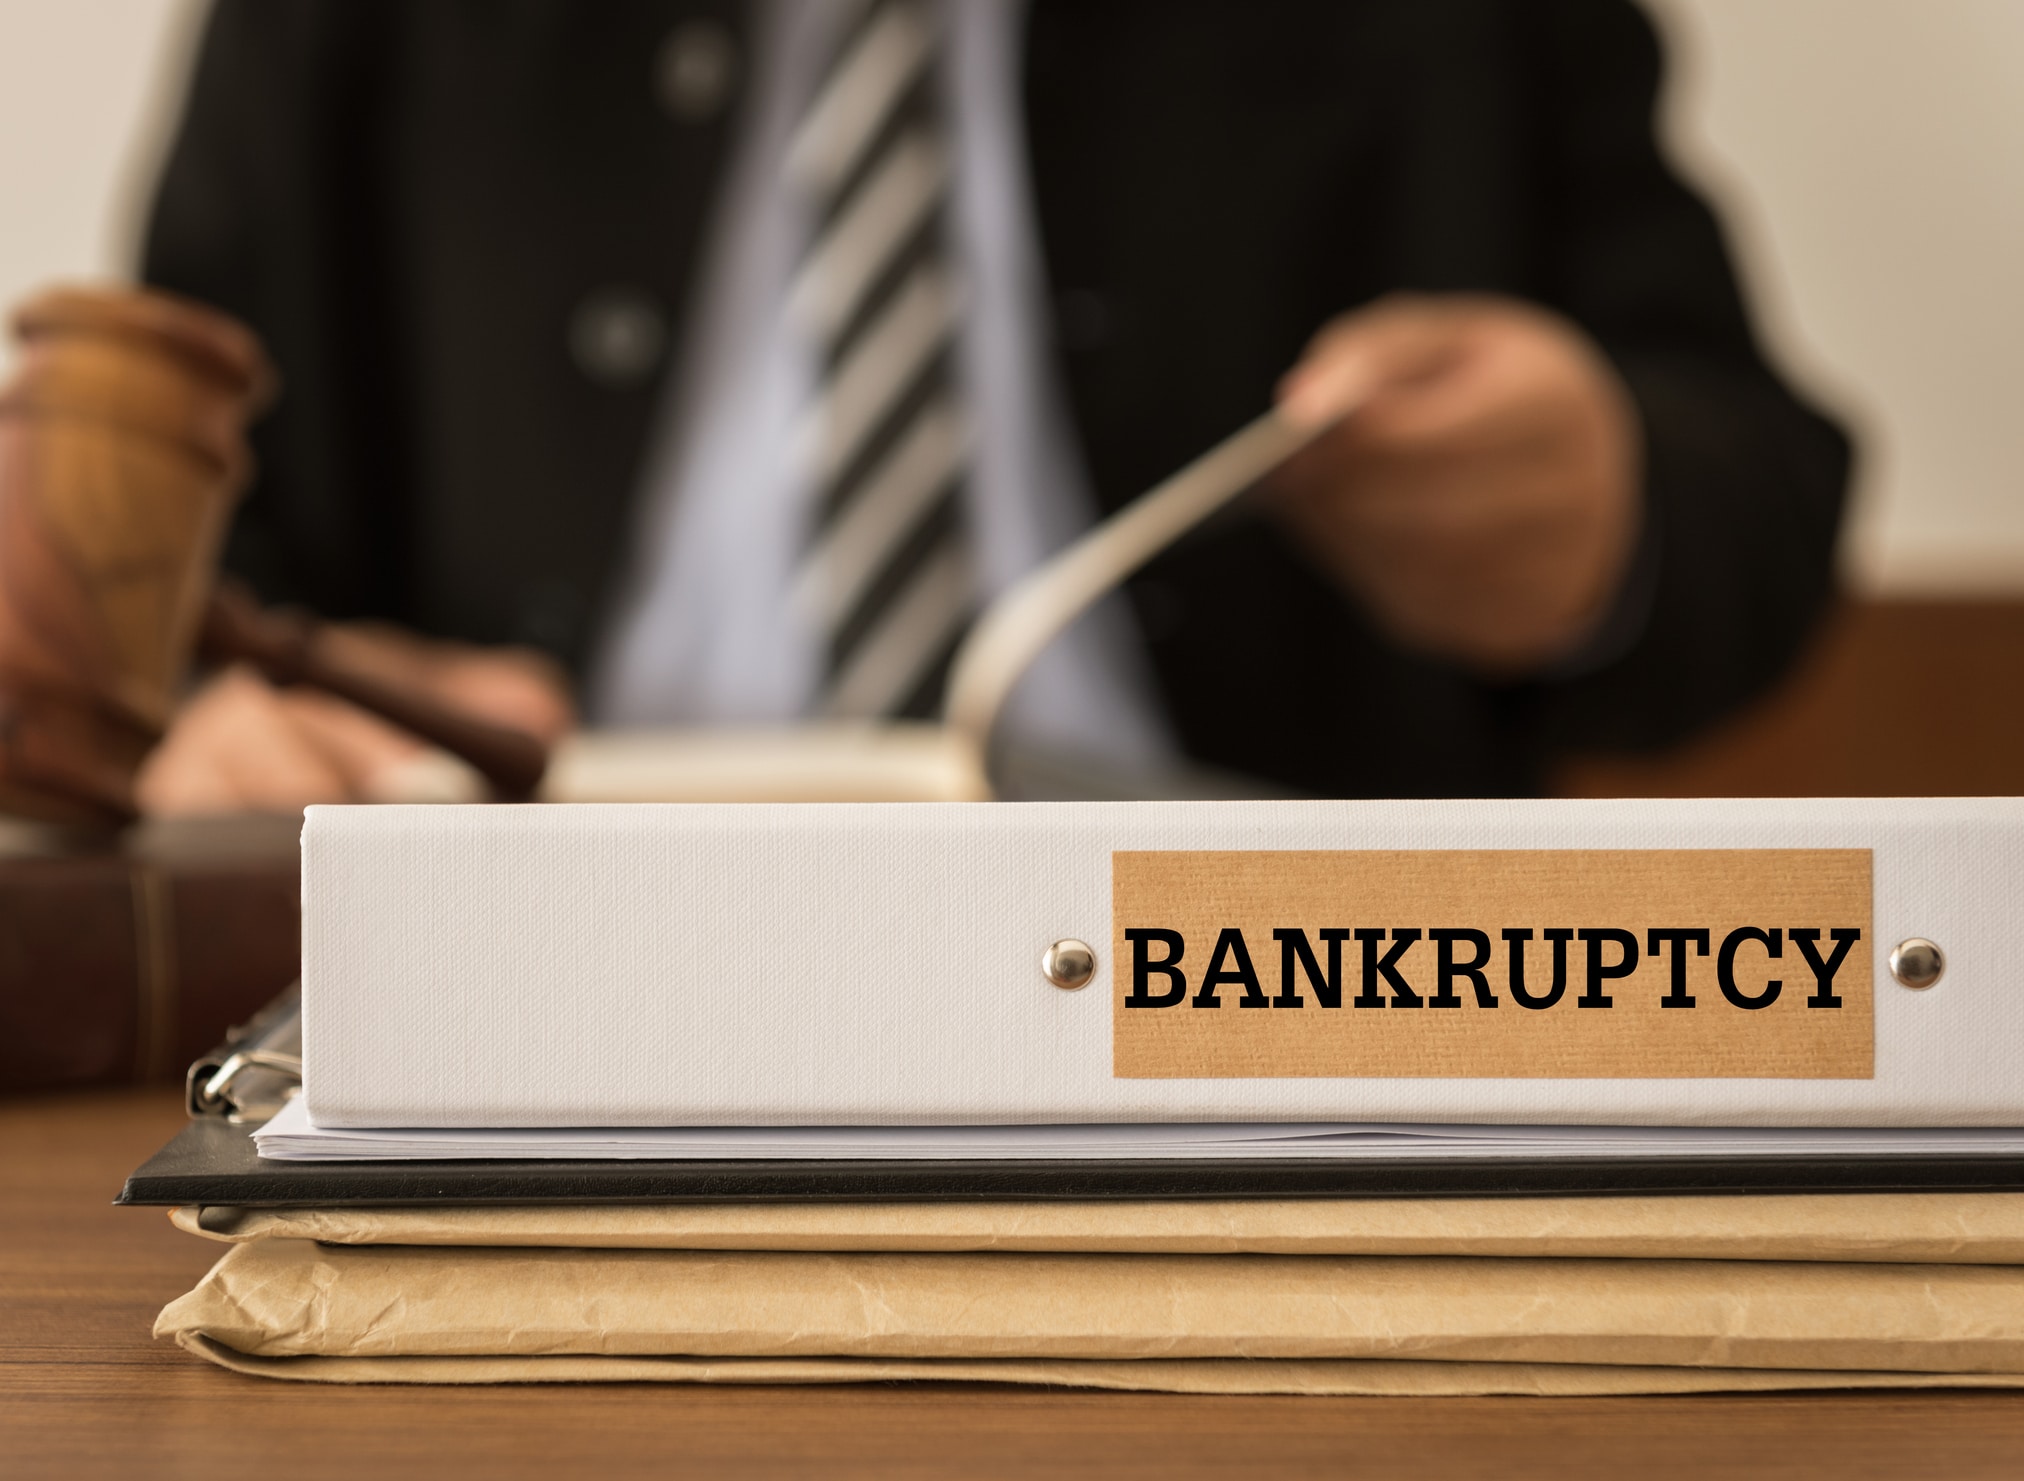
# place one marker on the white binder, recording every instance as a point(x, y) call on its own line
point(777, 964)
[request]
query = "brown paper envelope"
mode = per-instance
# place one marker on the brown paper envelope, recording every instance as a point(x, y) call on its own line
point(1926, 1228)
point(285, 1298)
point(1198, 1376)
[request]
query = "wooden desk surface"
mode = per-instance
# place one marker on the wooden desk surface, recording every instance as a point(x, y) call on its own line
point(85, 1391)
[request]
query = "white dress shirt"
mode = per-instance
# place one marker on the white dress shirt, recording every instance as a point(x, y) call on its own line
point(706, 633)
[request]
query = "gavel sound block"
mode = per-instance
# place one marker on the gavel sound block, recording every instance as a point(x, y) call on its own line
point(122, 452)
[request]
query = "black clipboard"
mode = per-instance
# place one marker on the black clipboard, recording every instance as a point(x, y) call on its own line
point(213, 1161)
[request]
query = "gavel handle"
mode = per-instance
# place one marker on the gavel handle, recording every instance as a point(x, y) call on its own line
point(286, 646)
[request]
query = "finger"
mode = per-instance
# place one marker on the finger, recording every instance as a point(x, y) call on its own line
point(1495, 399)
point(516, 687)
point(1385, 506)
point(358, 747)
point(234, 748)
point(1361, 355)
point(508, 687)
point(1525, 378)
point(268, 763)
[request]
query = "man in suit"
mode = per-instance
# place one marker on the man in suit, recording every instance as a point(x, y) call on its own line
point(559, 292)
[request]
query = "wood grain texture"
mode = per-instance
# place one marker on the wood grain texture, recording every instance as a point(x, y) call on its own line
point(128, 960)
point(85, 1392)
point(122, 452)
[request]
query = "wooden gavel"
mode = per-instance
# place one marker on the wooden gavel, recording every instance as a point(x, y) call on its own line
point(122, 452)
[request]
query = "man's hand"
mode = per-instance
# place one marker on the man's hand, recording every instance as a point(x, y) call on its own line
point(242, 745)
point(1481, 496)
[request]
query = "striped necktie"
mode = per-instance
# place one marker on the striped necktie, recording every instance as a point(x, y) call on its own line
point(887, 578)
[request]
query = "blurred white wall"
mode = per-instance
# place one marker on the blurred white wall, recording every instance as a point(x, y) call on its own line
point(1868, 154)
point(1869, 157)
point(88, 91)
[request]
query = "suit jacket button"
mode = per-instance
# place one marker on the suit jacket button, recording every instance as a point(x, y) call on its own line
point(617, 336)
point(696, 70)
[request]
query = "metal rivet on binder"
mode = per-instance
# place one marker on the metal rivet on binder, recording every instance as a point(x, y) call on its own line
point(1069, 964)
point(1917, 963)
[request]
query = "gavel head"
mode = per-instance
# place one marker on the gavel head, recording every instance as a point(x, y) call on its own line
point(122, 450)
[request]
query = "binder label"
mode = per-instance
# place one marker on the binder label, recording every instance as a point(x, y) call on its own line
point(1489, 963)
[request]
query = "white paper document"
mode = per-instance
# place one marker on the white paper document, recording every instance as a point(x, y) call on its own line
point(291, 1136)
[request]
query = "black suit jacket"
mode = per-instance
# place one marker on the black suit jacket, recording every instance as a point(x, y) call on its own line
point(413, 200)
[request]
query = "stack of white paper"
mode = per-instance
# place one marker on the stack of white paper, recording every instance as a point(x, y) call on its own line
point(292, 1136)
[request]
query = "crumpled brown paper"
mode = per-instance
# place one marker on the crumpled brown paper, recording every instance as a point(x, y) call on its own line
point(1929, 1228)
point(1194, 1376)
point(287, 1298)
